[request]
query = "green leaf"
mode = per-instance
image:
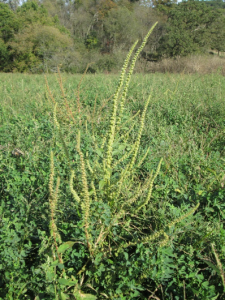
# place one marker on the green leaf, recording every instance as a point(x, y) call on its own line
point(205, 284)
point(215, 268)
point(50, 289)
point(126, 255)
point(102, 184)
point(214, 298)
point(99, 152)
point(60, 266)
point(65, 246)
point(50, 275)
point(87, 296)
point(54, 263)
point(63, 296)
point(64, 281)
point(110, 261)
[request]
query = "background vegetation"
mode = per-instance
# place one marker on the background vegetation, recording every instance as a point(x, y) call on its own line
point(37, 36)
point(111, 188)
point(184, 125)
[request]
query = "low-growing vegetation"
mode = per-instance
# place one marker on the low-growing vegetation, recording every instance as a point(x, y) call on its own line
point(112, 189)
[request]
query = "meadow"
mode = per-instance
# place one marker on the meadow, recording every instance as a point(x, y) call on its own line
point(139, 218)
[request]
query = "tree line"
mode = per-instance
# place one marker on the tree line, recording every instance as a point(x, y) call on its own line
point(38, 35)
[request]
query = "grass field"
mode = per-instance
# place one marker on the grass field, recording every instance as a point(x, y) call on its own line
point(184, 125)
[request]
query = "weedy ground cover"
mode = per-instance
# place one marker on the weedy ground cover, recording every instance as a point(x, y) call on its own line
point(104, 230)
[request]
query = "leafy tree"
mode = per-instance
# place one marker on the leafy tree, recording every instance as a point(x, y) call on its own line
point(8, 26)
point(104, 8)
point(13, 4)
point(216, 3)
point(92, 41)
point(4, 55)
point(8, 23)
point(188, 27)
point(31, 12)
point(157, 3)
point(145, 18)
point(34, 47)
point(120, 28)
point(217, 34)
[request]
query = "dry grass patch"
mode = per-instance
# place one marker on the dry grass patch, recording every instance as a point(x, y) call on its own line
point(189, 65)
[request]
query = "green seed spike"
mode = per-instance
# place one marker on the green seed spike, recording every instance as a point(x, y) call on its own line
point(137, 144)
point(120, 183)
point(61, 135)
point(151, 185)
point(184, 216)
point(124, 94)
point(52, 173)
point(73, 192)
point(125, 136)
point(85, 205)
point(139, 192)
point(143, 158)
point(115, 105)
point(94, 191)
point(125, 156)
point(157, 234)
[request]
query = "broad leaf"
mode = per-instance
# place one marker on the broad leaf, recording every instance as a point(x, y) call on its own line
point(65, 246)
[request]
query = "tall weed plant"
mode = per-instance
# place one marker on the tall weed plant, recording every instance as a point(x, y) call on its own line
point(115, 216)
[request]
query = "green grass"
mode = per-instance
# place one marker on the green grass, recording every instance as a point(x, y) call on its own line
point(184, 125)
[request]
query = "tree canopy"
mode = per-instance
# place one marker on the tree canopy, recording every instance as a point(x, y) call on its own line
point(40, 34)
point(189, 28)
